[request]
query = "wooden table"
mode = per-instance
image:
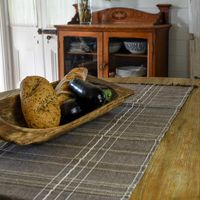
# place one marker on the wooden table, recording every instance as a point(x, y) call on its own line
point(174, 171)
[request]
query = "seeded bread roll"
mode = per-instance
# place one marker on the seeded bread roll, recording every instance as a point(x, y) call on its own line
point(62, 89)
point(39, 103)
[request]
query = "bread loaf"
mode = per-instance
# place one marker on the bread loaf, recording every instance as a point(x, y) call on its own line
point(62, 89)
point(39, 103)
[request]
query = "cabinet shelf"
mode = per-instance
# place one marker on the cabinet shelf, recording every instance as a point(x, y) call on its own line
point(81, 53)
point(129, 55)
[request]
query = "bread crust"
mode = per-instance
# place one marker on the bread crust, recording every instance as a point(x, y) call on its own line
point(62, 89)
point(39, 102)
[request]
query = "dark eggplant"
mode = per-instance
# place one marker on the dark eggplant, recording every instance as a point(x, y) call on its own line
point(90, 95)
point(70, 110)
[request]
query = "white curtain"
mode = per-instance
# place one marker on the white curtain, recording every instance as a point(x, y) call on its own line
point(22, 12)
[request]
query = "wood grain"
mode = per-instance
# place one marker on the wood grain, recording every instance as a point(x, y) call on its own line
point(174, 171)
point(156, 36)
point(126, 15)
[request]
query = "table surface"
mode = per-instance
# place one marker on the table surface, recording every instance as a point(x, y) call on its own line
point(174, 170)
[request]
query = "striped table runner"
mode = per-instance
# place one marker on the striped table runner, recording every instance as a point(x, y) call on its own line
point(101, 160)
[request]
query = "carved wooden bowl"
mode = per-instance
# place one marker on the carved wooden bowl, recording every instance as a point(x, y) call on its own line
point(14, 129)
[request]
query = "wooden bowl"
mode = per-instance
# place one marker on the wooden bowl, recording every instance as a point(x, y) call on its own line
point(13, 127)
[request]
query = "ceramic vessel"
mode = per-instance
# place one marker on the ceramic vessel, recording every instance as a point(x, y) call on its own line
point(114, 47)
point(136, 46)
point(128, 71)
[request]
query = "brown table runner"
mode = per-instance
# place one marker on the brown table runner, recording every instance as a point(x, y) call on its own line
point(103, 159)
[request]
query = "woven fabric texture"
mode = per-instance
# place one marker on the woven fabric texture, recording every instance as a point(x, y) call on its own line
point(101, 160)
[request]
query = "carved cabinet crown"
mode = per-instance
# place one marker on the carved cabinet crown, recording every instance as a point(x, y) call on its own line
point(119, 15)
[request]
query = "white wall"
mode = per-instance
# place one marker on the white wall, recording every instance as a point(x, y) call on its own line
point(70, 9)
point(195, 43)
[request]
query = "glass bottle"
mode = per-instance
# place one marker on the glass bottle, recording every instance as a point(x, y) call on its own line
point(85, 11)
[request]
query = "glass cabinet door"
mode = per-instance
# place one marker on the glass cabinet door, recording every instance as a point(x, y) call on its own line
point(127, 57)
point(80, 52)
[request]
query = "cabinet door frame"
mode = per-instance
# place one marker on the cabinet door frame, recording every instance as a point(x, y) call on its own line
point(139, 35)
point(63, 33)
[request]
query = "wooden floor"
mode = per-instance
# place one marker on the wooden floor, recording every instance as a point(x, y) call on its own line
point(174, 171)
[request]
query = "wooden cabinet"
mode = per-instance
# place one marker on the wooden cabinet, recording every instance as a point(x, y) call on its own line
point(101, 46)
